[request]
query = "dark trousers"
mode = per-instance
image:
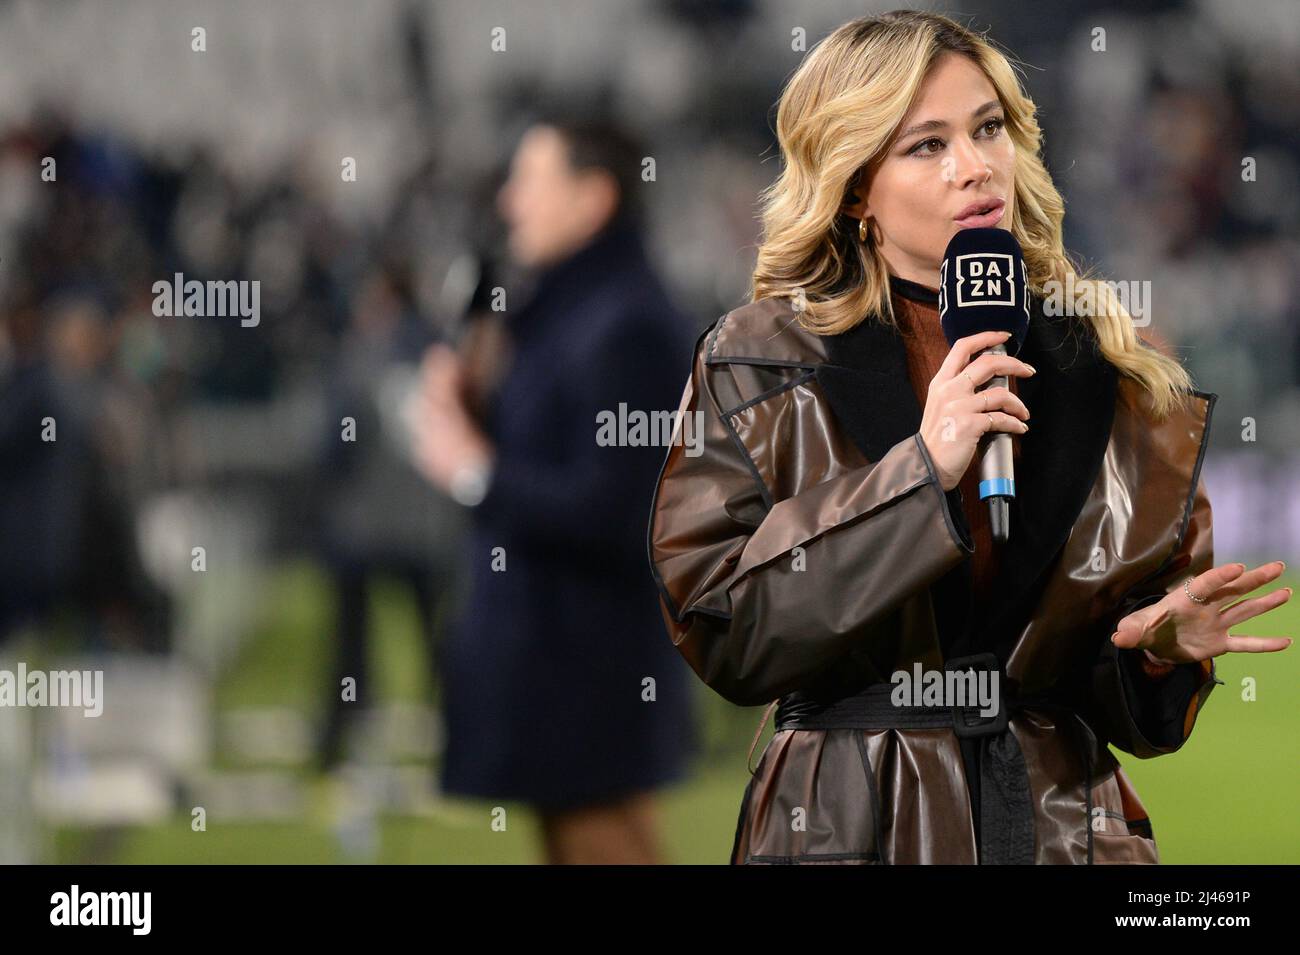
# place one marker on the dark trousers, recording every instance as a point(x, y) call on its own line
point(352, 583)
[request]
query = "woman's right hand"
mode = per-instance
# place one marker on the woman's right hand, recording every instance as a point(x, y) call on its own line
point(956, 416)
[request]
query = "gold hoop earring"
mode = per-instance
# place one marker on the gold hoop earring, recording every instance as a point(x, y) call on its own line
point(862, 229)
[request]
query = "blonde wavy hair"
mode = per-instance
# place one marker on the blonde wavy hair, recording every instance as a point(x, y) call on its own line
point(836, 118)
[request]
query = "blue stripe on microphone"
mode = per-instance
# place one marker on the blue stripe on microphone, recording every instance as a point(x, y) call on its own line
point(998, 487)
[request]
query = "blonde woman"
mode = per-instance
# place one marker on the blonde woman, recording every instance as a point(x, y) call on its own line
point(830, 535)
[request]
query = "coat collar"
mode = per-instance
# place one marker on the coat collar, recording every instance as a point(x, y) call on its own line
point(551, 292)
point(1072, 400)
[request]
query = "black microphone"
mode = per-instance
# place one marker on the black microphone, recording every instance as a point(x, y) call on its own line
point(984, 287)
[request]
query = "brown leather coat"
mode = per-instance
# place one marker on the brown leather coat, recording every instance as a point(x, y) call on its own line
point(810, 551)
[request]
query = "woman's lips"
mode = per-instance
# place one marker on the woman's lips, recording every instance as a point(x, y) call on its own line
point(985, 220)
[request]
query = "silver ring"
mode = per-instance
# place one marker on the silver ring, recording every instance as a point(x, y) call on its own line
point(1188, 590)
point(986, 400)
point(970, 379)
point(990, 420)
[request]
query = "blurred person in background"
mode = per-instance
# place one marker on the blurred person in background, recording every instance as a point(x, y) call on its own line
point(41, 484)
point(67, 451)
point(382, 519)
point(559, 688)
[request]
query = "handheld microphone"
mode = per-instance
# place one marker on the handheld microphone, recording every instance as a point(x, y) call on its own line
point(984, 287)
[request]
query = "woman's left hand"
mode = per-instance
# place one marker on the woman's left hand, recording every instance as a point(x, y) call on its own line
point(1180, 630)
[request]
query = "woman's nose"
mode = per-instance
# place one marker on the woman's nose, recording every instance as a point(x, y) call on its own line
point(970, 164)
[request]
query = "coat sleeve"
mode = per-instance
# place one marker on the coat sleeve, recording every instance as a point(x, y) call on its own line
point(759, 594)
point(585, 499)
point(1144, 716)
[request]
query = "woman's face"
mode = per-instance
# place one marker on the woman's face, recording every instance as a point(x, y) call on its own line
point(952, 151)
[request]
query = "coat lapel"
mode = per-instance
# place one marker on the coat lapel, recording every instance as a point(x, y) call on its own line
point(1072, 403)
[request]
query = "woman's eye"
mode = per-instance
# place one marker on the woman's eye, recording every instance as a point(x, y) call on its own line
point(920, 148)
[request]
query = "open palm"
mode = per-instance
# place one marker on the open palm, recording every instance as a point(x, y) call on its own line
point(1180, 630)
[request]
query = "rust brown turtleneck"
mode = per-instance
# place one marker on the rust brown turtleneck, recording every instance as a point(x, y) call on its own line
point(926, 348)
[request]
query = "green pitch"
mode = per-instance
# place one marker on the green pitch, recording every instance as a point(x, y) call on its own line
point(1227, 797)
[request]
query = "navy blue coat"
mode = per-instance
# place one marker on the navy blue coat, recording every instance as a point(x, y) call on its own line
point(543, 673)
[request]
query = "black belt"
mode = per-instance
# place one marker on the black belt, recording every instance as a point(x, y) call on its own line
point(1006, 823)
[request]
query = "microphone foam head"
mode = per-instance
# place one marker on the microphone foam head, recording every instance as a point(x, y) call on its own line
point(984, 286)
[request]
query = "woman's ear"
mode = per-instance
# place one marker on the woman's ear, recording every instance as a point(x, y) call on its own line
point(855, 198)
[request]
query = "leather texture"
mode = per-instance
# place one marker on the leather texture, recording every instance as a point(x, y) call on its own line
point(810, 551)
